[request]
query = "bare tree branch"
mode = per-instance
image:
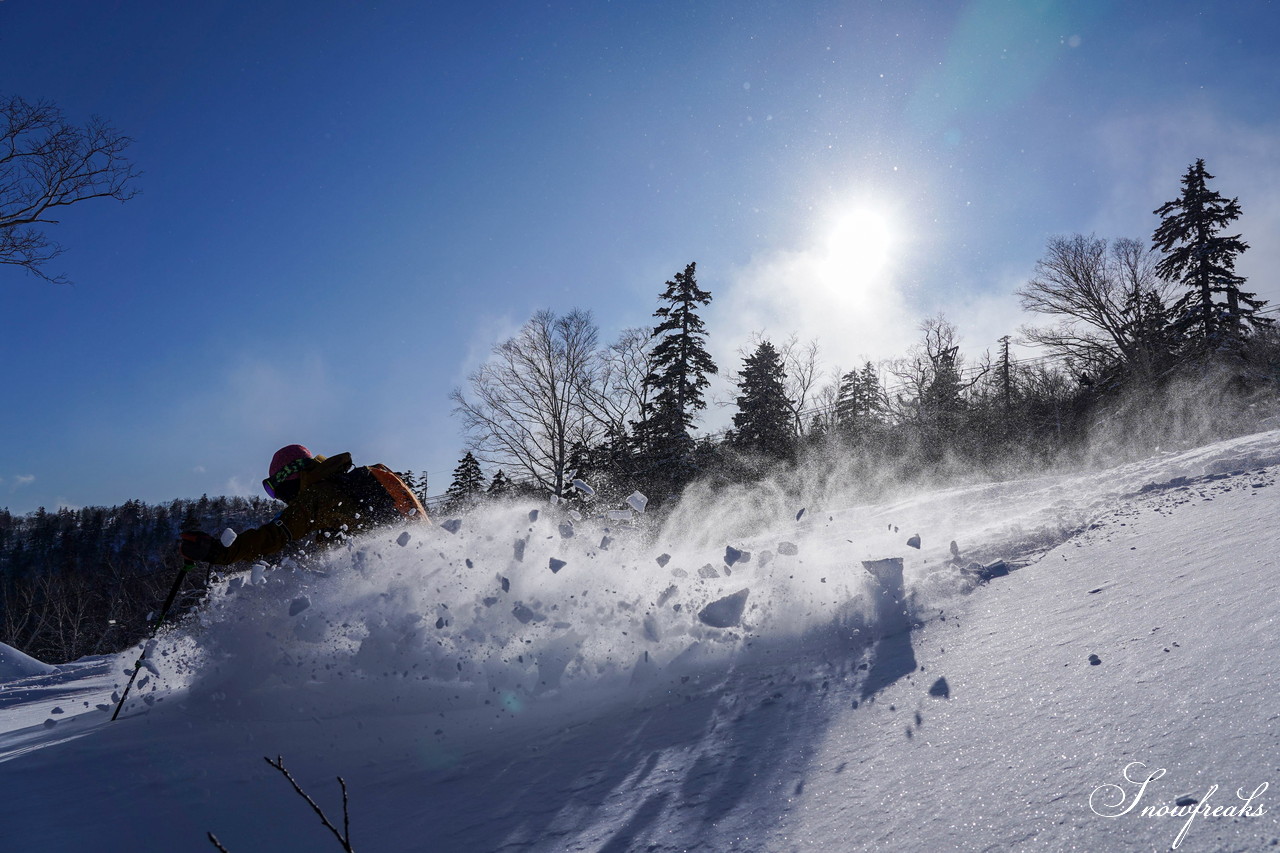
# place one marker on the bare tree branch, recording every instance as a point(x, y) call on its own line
point(1094, 287)
point(344, 838)
point(45, 164)
point(802, 376)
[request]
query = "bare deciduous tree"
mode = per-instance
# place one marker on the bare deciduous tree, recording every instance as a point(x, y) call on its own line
point(800, 361)
point(47, 163)
point(531, 402)
point(1101, 292)
point(618, 394)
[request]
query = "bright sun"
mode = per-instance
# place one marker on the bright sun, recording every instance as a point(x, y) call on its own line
point(859, 246)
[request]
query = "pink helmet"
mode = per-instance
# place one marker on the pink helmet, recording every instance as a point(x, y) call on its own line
point(288, 464)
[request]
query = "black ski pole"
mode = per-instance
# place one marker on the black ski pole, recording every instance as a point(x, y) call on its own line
point(164, 611)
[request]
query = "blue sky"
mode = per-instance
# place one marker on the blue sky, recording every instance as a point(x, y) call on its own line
point(345, 205)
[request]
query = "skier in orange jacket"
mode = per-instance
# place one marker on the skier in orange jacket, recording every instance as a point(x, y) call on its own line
point(327, 496)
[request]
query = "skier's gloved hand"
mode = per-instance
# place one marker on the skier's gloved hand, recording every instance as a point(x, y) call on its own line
point(197, 546)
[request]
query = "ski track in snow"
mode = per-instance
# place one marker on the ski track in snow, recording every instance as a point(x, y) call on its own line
point(584, 705)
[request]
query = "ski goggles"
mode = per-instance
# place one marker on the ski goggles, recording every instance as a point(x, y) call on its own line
point(278, 479)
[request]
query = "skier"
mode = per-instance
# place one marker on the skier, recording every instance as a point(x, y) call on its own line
point(323, 495)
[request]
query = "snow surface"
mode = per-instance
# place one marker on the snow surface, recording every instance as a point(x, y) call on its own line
point(15, 664)
point(473, 699)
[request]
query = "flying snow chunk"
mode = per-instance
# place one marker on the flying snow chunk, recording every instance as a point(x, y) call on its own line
point(663, 559)
point(724, 612)
point(557, 565)
point(733, 556)
point(518, 550)
point(788, 549)
point(566, 530)
point(914, 541)
point(637, 501)
point(800, 514)
point(533, 515)
point(584, 488)
point(403, 539)
point(298, 605)
point(259, 574)
point(605, 542)
point(525, 615)
point(453, 525)
point(228, 536)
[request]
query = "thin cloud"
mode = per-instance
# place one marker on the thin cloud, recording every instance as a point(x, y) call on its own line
point(237, 487)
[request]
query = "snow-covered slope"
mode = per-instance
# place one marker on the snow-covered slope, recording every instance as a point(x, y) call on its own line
point(474, 699)
point(15, 664)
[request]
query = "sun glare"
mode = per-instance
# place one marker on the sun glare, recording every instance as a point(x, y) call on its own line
point(859, 246)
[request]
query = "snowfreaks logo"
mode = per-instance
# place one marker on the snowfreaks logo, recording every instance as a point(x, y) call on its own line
point(1115, 801)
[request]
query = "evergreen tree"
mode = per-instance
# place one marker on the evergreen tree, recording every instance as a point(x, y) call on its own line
point(1198, 255)
point(676, 381)
point(1148, 325)
point(500, 486)
point(997, 413)
point(763, 421)
point(467, 486)
point(859, 403)
point(941, 402)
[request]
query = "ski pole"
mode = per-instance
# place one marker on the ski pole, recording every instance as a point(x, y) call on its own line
point(164, 611)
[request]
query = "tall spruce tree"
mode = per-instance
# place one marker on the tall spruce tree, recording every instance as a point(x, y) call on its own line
point(763, 421)
point(1198, 255)
point(676, 382)
point(468, 484)
point(859, 403)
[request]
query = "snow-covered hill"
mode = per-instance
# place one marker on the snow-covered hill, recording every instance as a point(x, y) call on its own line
point(530, 683)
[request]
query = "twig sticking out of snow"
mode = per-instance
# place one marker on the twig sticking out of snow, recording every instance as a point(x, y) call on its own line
point(344, 837)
